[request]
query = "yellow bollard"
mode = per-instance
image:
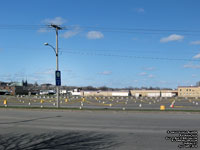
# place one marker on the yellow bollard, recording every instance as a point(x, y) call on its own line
point(41, 101)
point(5, 102)
point(83, 99)
point(162, 107)
point(66, 100)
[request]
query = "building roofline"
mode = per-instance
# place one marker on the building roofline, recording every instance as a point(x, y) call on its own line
point(188, 86)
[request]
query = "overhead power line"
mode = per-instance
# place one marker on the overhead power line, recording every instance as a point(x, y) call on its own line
point(103, 29)
point(129, 56)
point(23, 27)
point(131, 51)
point(132, 29)
point(147, 51)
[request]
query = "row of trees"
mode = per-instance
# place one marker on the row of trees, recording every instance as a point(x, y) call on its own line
point(105, 88)
point(92, 88)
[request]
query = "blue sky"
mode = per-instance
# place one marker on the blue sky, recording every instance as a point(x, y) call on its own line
point(112, 52)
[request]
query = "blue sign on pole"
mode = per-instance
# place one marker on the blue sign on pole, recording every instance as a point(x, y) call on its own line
point(58, 78)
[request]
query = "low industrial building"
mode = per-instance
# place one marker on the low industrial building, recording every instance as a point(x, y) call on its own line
point(135, 93)
point(154, 93)
point(14, 88)
point(4, 92)
point(105, 93)
point(76, 92)
point(189, 91)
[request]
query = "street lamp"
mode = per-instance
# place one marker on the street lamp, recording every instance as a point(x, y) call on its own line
point(56, 52)
point(47, 44)
point(57, 73)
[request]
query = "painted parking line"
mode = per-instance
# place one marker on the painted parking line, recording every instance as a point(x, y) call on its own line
point(183, 107)
point(179, 106)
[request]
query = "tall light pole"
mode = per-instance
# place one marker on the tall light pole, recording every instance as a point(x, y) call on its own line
point(57, 73)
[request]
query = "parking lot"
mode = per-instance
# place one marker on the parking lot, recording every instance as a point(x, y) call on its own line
point(123, 103)
point(78, 129)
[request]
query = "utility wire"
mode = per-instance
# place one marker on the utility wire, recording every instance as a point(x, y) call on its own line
point(131, 29)
point(130, 51)
point(134, 30)
point(23, 27)
point(129, 56)
point(110, 50)
point(103, 29)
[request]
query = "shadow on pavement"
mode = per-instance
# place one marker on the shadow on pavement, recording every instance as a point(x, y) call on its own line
point(58, 141)
point(29, 120)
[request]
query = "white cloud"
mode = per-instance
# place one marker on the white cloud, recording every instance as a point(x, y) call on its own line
point(173, 37)
point(43, 76)
point(139, 10)
point(163, 82)
point(43, 30)
point(191, 66)
point(34, 79)
point(56, 20)
point(149, 68)
point(150, 76)
point(5, 77)
point(106, 73)
point(195, 42)
point(196, 56)
point(146, 75)
point(194, 75)
point(19, 74)
point(46, 72)
point(94, 35)
point(71, 33)
point(143, 74)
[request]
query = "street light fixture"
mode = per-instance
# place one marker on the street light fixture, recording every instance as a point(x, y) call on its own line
point(56, 52)
point(57, 73)
point(47, 44)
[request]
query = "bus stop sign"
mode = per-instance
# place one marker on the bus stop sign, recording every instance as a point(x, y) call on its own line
point(58, 78)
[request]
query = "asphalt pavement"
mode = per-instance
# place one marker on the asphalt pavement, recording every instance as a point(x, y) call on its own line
point(83, 129)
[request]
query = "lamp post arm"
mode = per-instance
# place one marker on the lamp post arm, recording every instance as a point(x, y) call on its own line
point(52, 48)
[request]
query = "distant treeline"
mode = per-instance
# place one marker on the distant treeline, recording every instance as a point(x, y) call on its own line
point(49, 86)
point(105, 88)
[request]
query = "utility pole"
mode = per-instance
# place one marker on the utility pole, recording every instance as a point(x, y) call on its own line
point(57, 66)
